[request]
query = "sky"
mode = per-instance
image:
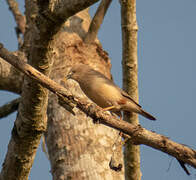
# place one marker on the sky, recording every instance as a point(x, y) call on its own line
point(166, 72)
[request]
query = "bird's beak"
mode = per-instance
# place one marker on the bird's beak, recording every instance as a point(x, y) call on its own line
point(68, 76)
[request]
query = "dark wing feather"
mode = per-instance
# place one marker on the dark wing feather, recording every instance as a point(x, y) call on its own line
point(129, 97)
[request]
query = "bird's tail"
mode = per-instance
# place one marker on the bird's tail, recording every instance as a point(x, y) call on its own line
point(147, 115)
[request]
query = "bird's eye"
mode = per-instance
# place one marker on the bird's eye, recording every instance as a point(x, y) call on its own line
point(69, 75)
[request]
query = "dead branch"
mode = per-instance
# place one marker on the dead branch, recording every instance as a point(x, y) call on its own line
point(61, 10)
point(139, 135)
point(97, 21)
point(19, 18)
point(9, 108)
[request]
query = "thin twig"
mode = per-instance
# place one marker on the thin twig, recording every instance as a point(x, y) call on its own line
point(182, 164)
point(139, 135)
point(9, 108)
point(97, 21)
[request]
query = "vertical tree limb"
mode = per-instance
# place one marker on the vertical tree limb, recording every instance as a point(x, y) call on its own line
point(31, 120)
point(130, 81)
point(97, 21)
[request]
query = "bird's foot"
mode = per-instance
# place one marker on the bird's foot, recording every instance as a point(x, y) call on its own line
point(109, 108)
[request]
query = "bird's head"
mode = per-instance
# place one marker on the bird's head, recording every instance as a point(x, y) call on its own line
point(76, 72)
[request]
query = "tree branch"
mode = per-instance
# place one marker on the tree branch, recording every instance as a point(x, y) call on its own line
point(9, 108)
point(19, 18)
point(10, 78)
point(97, 21)
point(60, 10)
point(138, 134)
point(31, 120)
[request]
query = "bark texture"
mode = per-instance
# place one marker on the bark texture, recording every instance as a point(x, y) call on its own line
point(130, 82)
point(31, 118)
point(78, 149)
point(10, 78)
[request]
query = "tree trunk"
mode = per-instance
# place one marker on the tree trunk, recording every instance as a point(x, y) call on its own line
point(78, 149)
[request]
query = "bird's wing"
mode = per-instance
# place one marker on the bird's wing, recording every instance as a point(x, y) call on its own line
point(129, 97)
point(110, 82)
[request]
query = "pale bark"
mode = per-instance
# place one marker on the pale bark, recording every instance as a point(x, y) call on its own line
point(77, 148)
point(130, 82)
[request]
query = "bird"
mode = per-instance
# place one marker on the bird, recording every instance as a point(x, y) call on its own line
point(104, 92)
